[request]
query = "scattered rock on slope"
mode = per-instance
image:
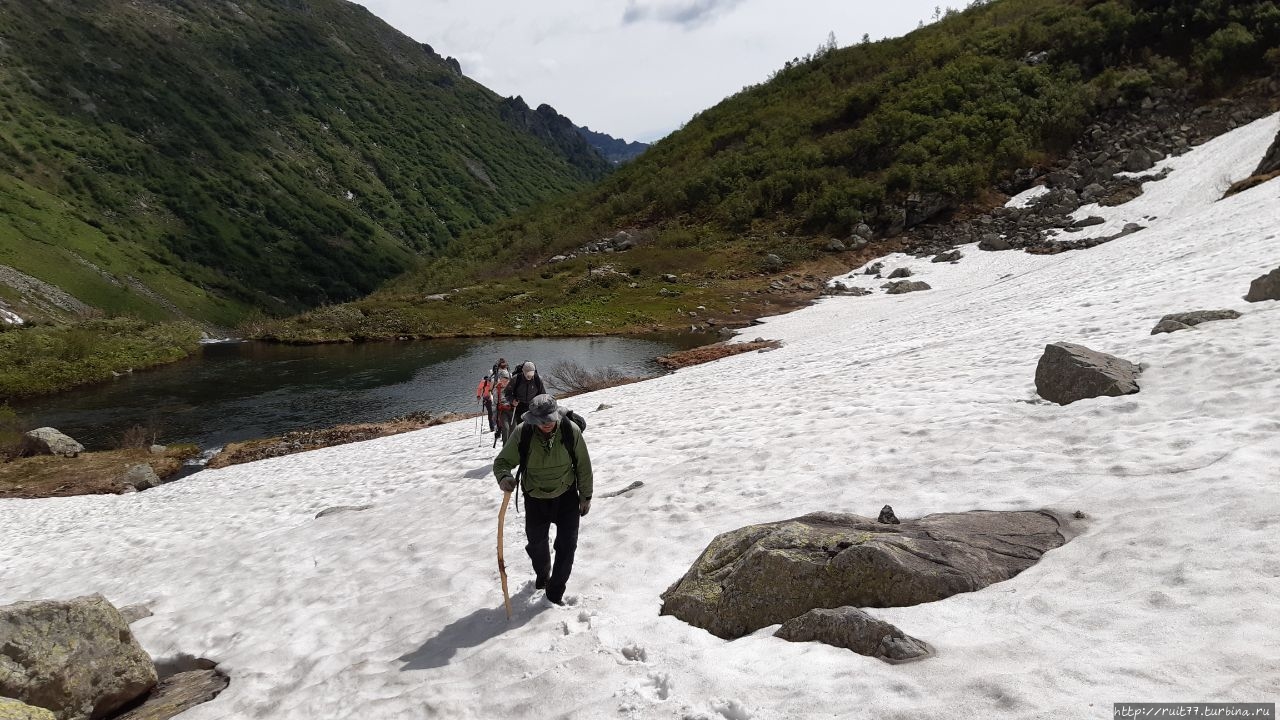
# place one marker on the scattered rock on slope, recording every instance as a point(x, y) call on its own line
point(1266, 287)
point(899, 287)
point(760, 575)
point(75, 657)
point(178, 693)
point(853, 629)
point(1188, 320)
point(1067, 373)
point(49, 441)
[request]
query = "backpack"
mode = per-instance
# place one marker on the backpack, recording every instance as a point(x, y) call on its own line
point(566, 437)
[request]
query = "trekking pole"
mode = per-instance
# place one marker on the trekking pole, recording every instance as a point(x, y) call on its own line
point(502, 566)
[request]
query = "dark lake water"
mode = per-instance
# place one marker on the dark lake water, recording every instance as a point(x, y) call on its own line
point(238, 391)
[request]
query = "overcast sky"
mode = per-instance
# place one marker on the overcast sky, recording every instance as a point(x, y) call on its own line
point(636, 69)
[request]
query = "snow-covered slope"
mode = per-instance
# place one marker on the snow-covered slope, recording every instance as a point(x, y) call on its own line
point(925, 401)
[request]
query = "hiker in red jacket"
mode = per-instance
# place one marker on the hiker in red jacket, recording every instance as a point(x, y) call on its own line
point(484, 395)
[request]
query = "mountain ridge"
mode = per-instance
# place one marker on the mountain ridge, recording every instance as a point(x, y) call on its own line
point(255, 156)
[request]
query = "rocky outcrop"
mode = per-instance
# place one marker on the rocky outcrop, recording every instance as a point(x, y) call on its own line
point(76, 658)
point(853, 629)
point(1067, 373)
point(899, 287)
point(1271, 161)
point(49, 441)
point(1186, 321)
point(901, 272)
point(761, 575)
point(1266, 287)
point(1132, 136)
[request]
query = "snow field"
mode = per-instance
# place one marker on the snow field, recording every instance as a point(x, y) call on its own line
point(1168, 590)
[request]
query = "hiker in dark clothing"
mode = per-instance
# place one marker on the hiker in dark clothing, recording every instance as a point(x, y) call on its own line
point(526, 384)
point(557, 485)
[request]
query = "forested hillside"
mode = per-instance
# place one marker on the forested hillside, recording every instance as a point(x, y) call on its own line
point(171, 158)
point(889, 134)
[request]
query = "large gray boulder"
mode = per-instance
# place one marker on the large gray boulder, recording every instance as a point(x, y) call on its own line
point(1068, 372)
point(76, 658)
point(49, 441)
point(1266, 287)
point(853, 629)
point(761, 575)
point(1187, 320)
point(14, 710)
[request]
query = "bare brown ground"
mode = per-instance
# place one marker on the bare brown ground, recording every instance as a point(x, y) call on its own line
point(304, 440)
point(90, 473)
point(707, 353)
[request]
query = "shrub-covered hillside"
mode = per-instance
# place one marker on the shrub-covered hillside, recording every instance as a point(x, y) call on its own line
point(167, 158)
point(884, 133)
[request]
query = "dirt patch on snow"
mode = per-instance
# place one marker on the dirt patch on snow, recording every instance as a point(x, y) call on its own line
point(707, 353)
point(304, 440)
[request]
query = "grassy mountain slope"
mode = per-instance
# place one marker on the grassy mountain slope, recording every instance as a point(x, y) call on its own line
point(167, 158)
point(864, 134)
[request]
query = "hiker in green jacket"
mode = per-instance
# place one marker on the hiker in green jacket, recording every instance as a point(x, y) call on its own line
point(556, 482)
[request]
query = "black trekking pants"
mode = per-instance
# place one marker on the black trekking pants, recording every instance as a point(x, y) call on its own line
point(488, 412)
point(539, 515)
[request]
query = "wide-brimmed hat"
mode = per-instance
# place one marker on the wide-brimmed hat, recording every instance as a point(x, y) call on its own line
point(542, 410)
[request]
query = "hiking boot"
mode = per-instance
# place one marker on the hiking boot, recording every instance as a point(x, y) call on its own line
point(540, 584)
point(557, 600)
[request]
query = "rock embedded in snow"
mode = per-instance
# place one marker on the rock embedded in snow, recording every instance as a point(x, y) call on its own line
point(49, 441)
point(341, 509)
point(906, 286)
point(178, 693)
point(901, 272)
point(874, 269)
point(853, 629)
point(14, 710)
point(761, 575)
point(1168, 326)
point(1187, 320)
point(1068, 372)
point(951, 256)
point(1266, 287)
point(134, 613)
point(74, 657)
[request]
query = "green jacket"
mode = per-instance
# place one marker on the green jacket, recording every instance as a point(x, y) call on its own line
point(550, 470)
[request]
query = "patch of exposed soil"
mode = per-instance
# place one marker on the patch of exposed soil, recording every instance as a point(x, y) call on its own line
point(304, 440)
point(90, 473)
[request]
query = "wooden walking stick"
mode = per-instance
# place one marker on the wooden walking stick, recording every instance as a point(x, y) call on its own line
point(502, 566)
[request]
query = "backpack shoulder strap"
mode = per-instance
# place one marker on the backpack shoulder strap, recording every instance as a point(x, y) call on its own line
point(526, 436)
point(566, 437)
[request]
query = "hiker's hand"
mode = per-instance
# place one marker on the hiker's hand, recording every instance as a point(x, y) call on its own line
point(584, 507)
point(507, 483)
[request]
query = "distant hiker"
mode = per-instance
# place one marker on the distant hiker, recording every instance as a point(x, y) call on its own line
point(500, 365)
point(484, 395)
point(548, 455)
point(503, 407)
point(526, 384)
